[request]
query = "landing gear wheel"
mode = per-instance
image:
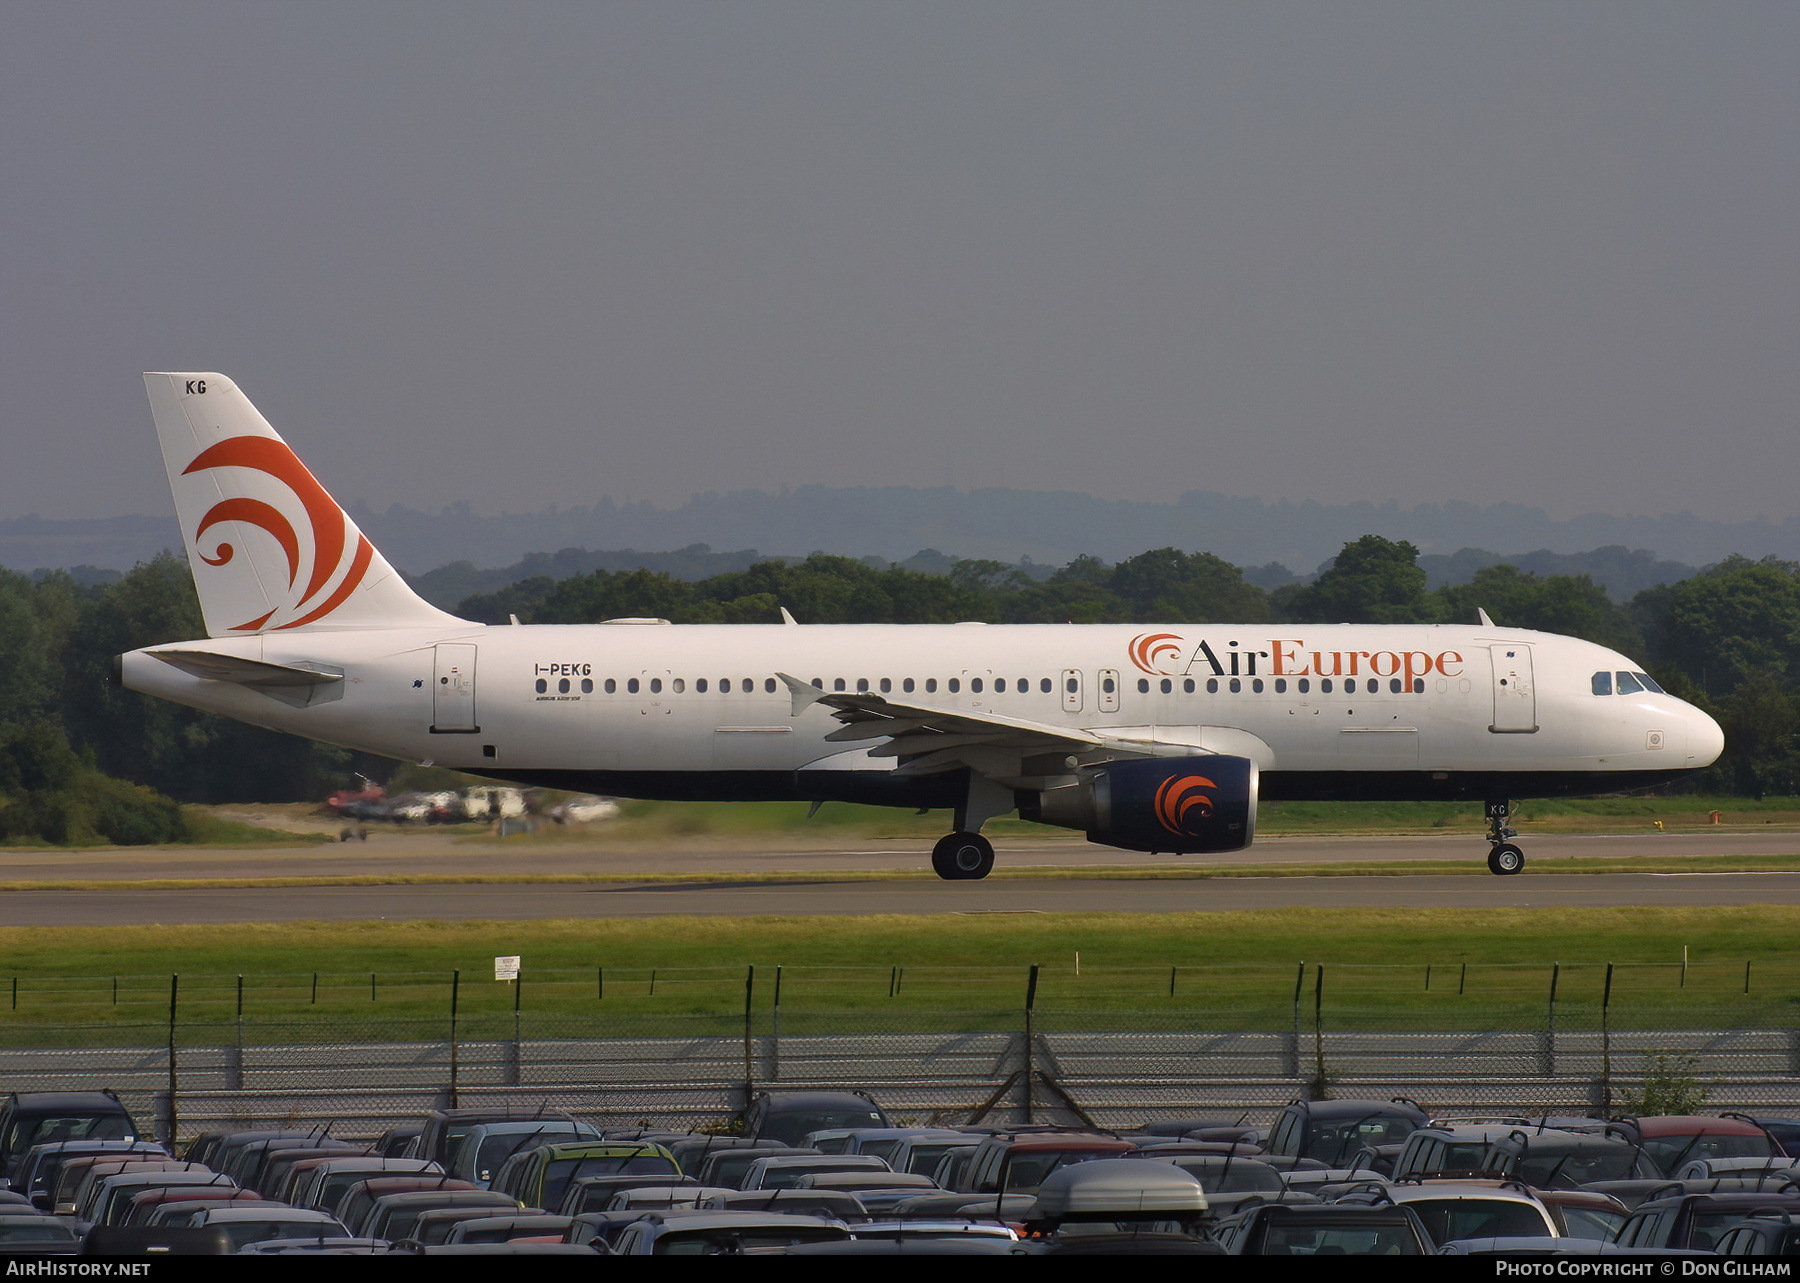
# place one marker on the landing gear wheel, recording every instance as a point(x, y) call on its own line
point(1506, 858)
point(963, 857)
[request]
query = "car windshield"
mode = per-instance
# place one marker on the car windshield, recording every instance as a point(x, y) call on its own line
point(1666, 1149)
point(1450, 1218)
point(1572, 1168)
point(48, 1129)
point(497, 1147)
point(1333, 1140)
point(1025, 1172)
point(1335, 1240)
point(563, 1170)
point(1592, 1222)
point(791, 1127)
point(731, 1242)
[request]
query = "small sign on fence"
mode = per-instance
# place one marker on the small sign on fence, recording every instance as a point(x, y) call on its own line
point(506, 968)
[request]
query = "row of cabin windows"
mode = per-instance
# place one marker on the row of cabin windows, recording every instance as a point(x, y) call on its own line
point(1022, 685)
point(1303, 685)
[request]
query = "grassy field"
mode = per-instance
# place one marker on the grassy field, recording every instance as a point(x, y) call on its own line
point(645, 821)
point(1488, 968)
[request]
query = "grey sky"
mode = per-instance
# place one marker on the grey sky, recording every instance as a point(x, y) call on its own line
point(533, 254)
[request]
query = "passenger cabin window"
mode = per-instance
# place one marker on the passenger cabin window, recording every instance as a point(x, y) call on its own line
point(632, 685)
point(931, 685)
point(612, 686)
point(907, 685)
point(955, 685)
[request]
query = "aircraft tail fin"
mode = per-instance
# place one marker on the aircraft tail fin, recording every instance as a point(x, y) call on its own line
point(270, 550)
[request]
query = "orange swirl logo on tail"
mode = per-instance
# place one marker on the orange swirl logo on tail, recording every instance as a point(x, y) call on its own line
point(1149, 650)
point(1176, 798)
point(328, 528)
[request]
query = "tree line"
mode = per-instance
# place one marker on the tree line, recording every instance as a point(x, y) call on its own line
point(83, 760)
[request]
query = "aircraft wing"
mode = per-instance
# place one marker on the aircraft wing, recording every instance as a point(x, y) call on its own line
point(927, 740)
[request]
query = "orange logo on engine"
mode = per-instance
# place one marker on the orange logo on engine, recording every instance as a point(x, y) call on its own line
point(1149, 650)
point(1176, 798)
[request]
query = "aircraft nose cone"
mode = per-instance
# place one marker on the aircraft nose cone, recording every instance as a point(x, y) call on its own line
point(1705, 740)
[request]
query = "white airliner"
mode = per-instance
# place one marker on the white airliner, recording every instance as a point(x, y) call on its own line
point(1158, 739)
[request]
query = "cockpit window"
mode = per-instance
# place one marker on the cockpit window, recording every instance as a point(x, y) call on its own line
point(1602, 683)
point(1629, 685)
point(1650, 683)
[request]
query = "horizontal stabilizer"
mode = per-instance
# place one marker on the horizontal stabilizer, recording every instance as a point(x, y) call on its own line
point(245, 672)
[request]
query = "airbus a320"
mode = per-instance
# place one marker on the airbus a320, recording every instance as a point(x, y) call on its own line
point(1157, 739)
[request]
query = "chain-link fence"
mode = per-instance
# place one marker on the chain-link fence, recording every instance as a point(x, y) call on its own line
point(686, 1049)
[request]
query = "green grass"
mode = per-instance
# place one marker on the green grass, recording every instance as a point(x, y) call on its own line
point(839, 821)
point(1240, 968)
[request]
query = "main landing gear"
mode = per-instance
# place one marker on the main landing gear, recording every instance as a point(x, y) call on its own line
point(963, 857)
point(1503, 857)
point(966, 856)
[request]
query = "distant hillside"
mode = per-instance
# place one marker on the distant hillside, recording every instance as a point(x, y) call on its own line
point(893, 522)
point(1621, 572)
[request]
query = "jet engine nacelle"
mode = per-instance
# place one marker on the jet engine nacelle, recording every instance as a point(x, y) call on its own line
point(1191, 805)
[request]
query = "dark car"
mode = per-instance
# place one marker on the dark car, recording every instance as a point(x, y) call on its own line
point(1673, 1139)
point(1547, 1159)
point(788, 1116)
point(1697, 1220)
point(1326, 1229)
point(40, 1117)
point(1770, 1232)
point(1333, 1130)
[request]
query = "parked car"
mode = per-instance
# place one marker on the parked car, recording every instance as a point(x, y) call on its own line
point(787, 1116)
point(726, 1233)
point(1327, 1229)
point(40, 1117)
point(1333, 1130)
point(1673, 1139)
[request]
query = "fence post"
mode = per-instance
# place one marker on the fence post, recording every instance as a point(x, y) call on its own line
point(455, 988)
point(1548, 1067)
point(513, 1075)
point(749, 1037)
point(775, 1032)
point(234, 1060)
point(1319, 1035)
point(1606, 1041)
point(1030, 1004)
point(1293, 1051)
point(174, 1107)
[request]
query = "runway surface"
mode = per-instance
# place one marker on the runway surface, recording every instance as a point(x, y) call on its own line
point(718, 884)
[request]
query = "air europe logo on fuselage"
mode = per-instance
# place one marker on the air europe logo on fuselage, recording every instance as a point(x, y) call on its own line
point(1161, 655)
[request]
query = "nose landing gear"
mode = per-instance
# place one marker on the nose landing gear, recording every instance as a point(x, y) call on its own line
point(1503, 856)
